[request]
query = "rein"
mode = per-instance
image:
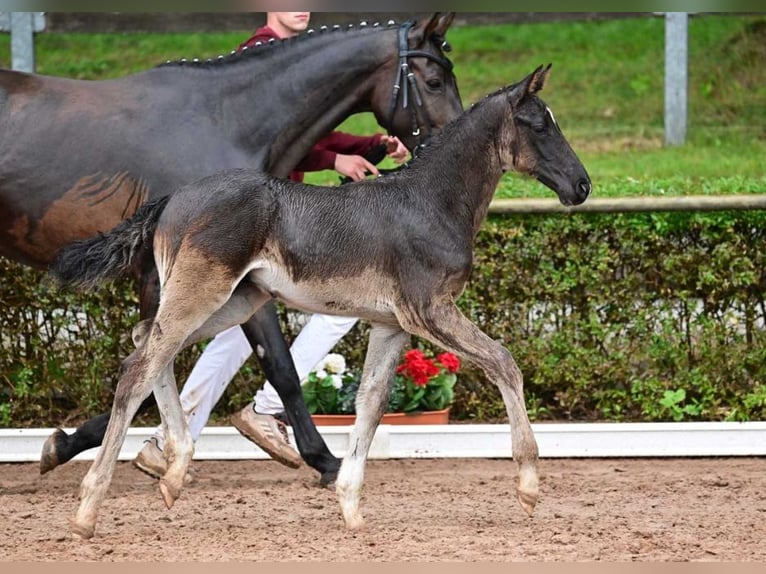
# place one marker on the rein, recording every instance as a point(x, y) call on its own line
point(405, 79)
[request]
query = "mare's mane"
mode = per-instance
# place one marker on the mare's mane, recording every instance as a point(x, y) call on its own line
point(263, 48)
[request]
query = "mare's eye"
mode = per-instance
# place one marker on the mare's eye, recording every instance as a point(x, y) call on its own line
point(538, 128)
point(434, 84)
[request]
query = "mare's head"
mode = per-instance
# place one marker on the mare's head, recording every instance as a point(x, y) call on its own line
point(534, 145)
point(418, 94)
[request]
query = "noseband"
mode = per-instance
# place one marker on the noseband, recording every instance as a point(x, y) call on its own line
point(405, 80)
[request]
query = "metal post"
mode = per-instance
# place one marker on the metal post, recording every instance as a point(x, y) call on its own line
point(22, 41)
point(676, 76)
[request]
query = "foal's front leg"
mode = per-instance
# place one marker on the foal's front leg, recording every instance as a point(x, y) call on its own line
point(446, 326)
point(385, 346)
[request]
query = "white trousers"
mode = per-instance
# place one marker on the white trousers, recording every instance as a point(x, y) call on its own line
point(229, 350)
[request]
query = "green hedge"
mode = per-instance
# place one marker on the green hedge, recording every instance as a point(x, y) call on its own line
point(646, 317)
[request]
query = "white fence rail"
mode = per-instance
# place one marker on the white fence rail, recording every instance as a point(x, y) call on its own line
point(555, 440)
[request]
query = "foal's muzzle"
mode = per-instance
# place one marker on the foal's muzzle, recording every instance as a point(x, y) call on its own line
point(583, 189)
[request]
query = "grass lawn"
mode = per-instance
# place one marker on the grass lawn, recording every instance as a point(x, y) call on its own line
point(606, 89)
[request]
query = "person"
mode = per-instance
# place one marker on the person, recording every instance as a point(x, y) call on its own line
point(262, 421)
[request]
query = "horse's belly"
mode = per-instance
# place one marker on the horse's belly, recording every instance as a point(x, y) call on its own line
point(346, 296)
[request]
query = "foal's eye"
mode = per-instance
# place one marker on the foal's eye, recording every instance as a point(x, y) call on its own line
point(538, 128)
point(434, 84)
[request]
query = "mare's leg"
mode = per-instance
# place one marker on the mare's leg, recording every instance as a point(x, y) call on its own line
point(264, 333)
point(446, 326)
point(383, 351)
point(61, 447)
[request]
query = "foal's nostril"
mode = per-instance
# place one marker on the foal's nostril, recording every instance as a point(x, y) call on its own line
point(583, 186)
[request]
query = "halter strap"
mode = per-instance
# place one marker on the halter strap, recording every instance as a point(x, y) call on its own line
point(405, 78)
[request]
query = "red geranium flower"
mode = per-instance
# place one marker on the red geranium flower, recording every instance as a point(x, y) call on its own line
point(450, 362)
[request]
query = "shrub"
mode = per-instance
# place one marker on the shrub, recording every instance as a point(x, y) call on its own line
point(656, 316)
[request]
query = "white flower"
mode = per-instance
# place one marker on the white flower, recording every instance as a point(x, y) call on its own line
point(321, 374)
point(333, 363)
point(337, 381)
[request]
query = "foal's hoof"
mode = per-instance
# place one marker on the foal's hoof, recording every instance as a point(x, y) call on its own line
point(49, 458)
point(528, 488)
point(82, 531)
point(527, 500)
point(355, 522)
point(169, 493)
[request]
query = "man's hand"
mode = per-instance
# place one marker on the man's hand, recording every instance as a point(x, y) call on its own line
point(354, 166)
point(394, 148)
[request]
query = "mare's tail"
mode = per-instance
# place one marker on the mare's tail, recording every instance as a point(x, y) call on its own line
point(84, 264)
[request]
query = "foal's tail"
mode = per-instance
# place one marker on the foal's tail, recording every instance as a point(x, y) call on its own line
point(111, 255)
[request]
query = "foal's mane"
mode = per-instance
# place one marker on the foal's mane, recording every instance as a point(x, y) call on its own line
point(262, 48)
point(446, 133)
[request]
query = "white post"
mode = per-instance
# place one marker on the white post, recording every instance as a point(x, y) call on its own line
point(676, 76)
point(22, 41)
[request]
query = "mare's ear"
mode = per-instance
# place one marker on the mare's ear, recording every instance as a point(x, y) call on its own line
point(444, 22)
point(532, 84)
point(434, 24)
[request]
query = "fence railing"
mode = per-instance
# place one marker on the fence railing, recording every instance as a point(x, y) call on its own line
point(632, 204)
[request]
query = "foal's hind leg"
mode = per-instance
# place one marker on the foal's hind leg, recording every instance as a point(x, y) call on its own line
point(131, 390)
point(178, 318)
point(446, 326)
point(383, 350)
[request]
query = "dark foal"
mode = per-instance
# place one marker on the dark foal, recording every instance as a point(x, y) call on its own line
point(77, 157)
point(396, 251)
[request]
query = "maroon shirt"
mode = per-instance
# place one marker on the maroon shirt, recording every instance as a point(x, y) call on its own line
point(322, 156)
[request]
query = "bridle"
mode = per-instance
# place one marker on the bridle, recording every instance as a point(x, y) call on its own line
point(405, 80)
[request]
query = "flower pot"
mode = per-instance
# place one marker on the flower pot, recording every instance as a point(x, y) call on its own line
point(417, 418)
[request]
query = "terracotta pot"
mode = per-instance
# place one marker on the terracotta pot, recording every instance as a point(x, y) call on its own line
point(418, 418)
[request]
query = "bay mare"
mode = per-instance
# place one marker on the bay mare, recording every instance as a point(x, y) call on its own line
point(77, 157)
point(397, 251)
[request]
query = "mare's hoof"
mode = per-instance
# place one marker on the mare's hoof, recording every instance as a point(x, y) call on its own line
point(49, 458)
point(169, 493)
point(327, 480)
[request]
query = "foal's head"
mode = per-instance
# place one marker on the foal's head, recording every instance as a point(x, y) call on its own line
point(535, 146)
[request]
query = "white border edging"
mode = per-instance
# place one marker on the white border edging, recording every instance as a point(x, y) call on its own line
point(555, 440)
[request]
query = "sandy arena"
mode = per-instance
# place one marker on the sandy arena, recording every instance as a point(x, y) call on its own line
point(427, 510)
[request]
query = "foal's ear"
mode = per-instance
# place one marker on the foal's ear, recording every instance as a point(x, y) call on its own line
point(538, 78)
point(532, 84)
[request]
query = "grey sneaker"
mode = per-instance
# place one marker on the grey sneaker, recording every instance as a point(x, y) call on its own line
point(269, 433)
point(151, 461)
